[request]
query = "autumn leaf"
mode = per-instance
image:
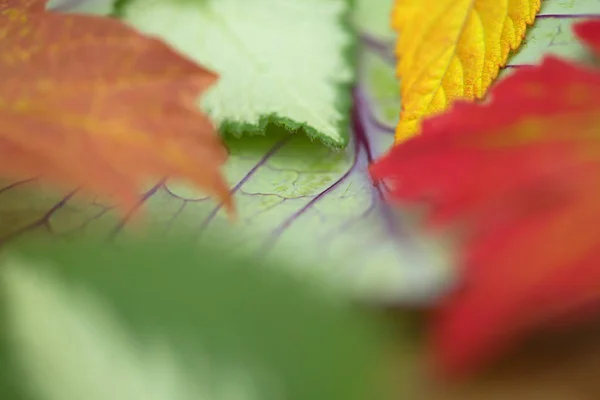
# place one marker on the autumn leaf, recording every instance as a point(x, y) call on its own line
point(589, 32)
point(520, 176)
point(88, 102)
point(452, 49)
point(19, 6)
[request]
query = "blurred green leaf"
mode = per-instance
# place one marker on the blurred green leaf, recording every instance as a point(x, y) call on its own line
point(168, 320)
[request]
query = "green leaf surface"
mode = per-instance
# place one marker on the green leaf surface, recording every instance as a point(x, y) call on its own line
point(281, 63)
point(164, 320)
point(94, 7)
point(550, 35)
point(373, 17)
point(298, 199)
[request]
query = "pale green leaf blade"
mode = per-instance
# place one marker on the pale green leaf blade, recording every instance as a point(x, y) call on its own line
point(373, 18)
point(552, 33)
point(94, 7)
point(280, 62)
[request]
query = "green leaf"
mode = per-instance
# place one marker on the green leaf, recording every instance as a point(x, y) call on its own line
point(281, 63)
point(165, 320)
point(95, 7)
point(552, 33)
point(372, 17)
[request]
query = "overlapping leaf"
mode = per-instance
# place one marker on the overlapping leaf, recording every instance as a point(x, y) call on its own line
point(452, 49)
point(519, 175)
point(88, 102)
point(281, 63)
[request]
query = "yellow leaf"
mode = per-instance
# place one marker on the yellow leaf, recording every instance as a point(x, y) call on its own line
point(452, 49)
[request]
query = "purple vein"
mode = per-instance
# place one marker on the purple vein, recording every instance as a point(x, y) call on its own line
point(361, 107)
point(379, 124)
point(582, 15)
point(362, 145)
point(15, 184)
point(374, 42)
point(85, 223)
point(382, 51)
point(518, 65)
point(378, 46)
point(40, 222)
point(169, 224)
point(290, 220)
point(119, 227)
point(183, 198)
point(245, 179)
point(97, 216)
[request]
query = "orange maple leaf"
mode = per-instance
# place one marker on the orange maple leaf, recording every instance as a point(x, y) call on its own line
point(520, 175)
point(88, 102)
point(452, 49)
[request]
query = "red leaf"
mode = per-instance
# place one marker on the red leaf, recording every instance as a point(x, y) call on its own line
point(522, 174)
point(88, 102)
point(589, 32)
